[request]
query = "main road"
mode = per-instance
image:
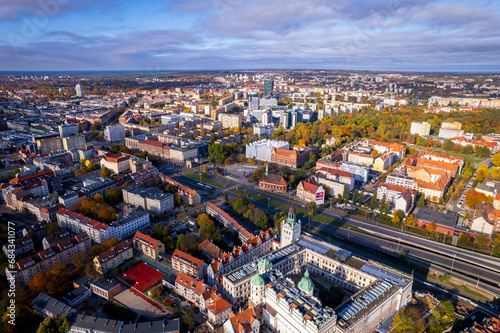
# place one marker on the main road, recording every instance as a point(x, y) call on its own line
point(386, 239)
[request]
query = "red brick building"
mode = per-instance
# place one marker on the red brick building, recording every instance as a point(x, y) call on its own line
point(273, 183)
point(292, 158)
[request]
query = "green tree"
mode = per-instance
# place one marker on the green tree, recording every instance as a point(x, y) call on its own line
point(52, 228)
point(345, 195)
point(421, 201)
point(383, 203)
point(448, 145)
point(355, 197)
point(188, 321)
point(361, 198)
point(312, 208)
point(179, 241)
point(105, 173)
point(409, 320)
point(170, 188)
point(113, 195)
point(482, 151)
point(373, 201)
point(468, 150)
point(54, 325)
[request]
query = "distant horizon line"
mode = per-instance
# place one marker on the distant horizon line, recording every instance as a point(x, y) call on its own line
point(90, 71)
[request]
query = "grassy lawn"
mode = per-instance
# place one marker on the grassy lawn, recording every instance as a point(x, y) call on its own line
point(471, 158)
point(204, 180)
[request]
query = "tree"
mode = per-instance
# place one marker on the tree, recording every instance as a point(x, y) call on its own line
point(355, 197)
point(482, 240)
point(312, 208)
point(52, 228)
point(108, 243)
point(473, 197)
point(177, 200)
point(495, 159)
point(99, 198)
point(421, 201)
point(383, 203)
point(448, 145)
point(361, 198)
point(402, 256)
point(345, 195)
point(179, 241)
point(105, 173)
point(54, 325)
point(38, 283)
point(409, 320)
point(482, 151)
point(410, 220)
point(188, 321)
point(431, 226)
point(468, 150)
point(113, 195)
point(395, 219)
point(170, 188)
point(373, 201)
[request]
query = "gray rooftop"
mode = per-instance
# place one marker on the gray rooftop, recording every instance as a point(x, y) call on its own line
point(105, 284)
point(94, 324)
point(436, 217)
point(158, 326)
point(53, 305)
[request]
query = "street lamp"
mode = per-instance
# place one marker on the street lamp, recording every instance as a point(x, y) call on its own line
point(267, 203)
point(348, 233)
point(453, 263)
point(492, 250)
point(399, 241)
point(473, 246)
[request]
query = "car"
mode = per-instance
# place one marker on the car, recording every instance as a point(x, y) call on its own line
point(177, 299)
point(473, 317)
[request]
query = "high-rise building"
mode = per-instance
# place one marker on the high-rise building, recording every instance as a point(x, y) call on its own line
point(68, 130)
point(78, 89)
point(420, 128)
point(115, 133)
point(268, 87)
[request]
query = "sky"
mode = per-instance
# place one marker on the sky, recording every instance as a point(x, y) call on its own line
point(161, 35)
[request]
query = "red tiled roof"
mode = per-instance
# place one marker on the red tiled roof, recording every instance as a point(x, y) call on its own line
point(145, 239)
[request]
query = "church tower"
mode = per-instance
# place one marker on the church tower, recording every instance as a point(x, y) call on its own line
point(290, 228)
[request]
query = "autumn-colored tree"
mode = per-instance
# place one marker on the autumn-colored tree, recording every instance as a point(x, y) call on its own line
point(431, 226)
point(409, 320)
point(105, 173)
point(38, 283)
point(113, 195)
point(495, 159)
point(410, 220)
point(108, 243)
point(473, 197)
point(99, 198)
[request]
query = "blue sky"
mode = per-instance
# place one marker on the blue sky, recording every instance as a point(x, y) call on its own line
point(157, 35)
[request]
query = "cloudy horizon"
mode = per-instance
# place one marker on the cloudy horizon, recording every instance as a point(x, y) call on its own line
point(160, 35)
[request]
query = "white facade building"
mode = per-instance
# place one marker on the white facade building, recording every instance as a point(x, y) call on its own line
point(115, 133)
point(261, 150)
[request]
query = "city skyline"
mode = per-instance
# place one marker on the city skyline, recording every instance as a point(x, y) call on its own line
point(59, 35)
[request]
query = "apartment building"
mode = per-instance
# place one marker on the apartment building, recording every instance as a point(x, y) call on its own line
point(114, 133)
point(28, 267)
point(420, 128)
point(186, 263)
point(335, 180)
point(77, 223)
point(148, 198)
point(74, 142)
point(230, 120)
point(117, 163)
point(148, 245)
point(51, 145)
point(113, 257)
point(206, 299)
point(400, 197)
